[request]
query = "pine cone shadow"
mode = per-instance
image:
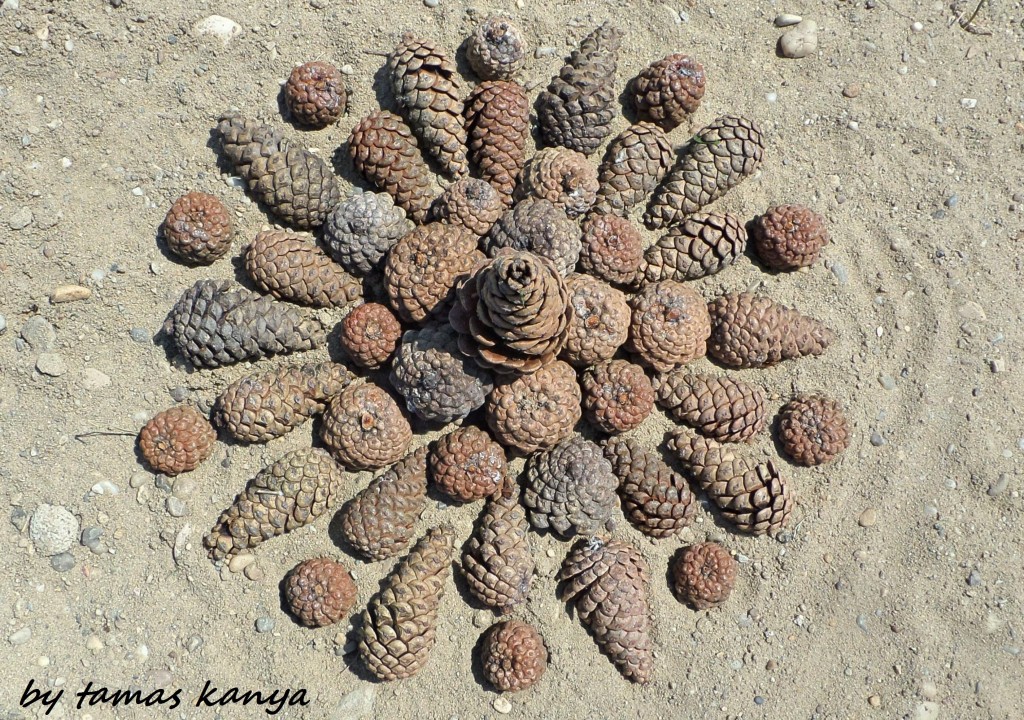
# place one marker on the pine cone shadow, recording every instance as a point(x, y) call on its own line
point(626, 103)
point(477, 666)
point(352, 660)
point(751, 253)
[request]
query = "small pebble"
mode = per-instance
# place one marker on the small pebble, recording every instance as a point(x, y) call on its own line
point(3, 324)
point(997, 365)
point(264, 625)
point(868, 518)
point(104, 487)
point(917, 27)
point(139, 478)
point(69, 293)
point(887, 382)
point(502, 705)
point(62, 562)
point(90, 536)
point(219, 26)
point(253, 572)
point(974, 578)
point(179, 394)
point(951, 201)
point(93, 379)
point(240, 562)
point(785, 20)
point(542, 52)
point(481, 618)
point(176, 507)
point(39, 333)
point(139, 335)
point(852, 90)
point(51, 364)
point(926, 711)
point(998, 487)
point(929, 690)
point(839, 270)
point(20, 219)
point(20, 637)
point(799, 42)
point(877, 440)
point(53, 529)
point(968, 103)
point(431, 3)
point(94, 644)
point(875, 701)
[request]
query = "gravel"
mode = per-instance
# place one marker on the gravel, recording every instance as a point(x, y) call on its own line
point(51, 364)
point(176, 507)
point(62, 562)
point(91, 536)
point(39, 333)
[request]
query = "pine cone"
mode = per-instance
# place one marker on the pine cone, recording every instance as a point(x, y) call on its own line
point(598, 321)
point(291, 493)
point(498, 124)
point(198, 228)
point(578, 107)
point(215, 324)
point(315, 94)
point(538, 226)
point(362, 229)
point(319, 592)
point(617, 396)
point(497, 562)
point(535, 411)
point(260, 407)
point(788, 237)
point(703, 575)
point(561, 176)
point(378, 521)
point(384, 151)
point(669, 325)
point(496, 49)
point(467, 465)
point(722, 408)
point(612, 249)
point(749, 331)
point(634, 163)
point(438, 382)
point(423, 268)
point(513, 656)
point(291, 267)
point(176, 440)
point(570, 489)
point(607, 580)
point(398, 626)
point(471, 203)
point(292, 182)
point(717, 159)
point(669, 90)
point(656, 500)
point(701, 246)
point(813, 430)
point(512, 313)
point(428, 90)
point(365, 429)
point(369, 334)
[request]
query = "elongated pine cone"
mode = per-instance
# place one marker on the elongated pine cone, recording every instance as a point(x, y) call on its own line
point(296, 185)
point(472, 203)
point(722, 408)
point(315, 94)
point(608, 580)
point(320, 592)
point(263, 406)
point(378, 522)
point(384, 151)
point(467, 465)
point(513, 656)
point(538, 226)
point(598, 321)
point(656, 500)
point(703, 575)
point(561, 176)
point(438, 382)
point(496, 49)
point(496, 561)
point(423, 268)
point(215, 323)
point(617, 396)
point(612, 249)
point(176, 440)
point(577, 109)
point(365, 428)
point(669, 90)
point(753, 496)
point(428, 90)
point(369, 334)
point(287, 495)
point(498, 124)
point(634, 163)
point(753, 331)
point(292, 267)
point(399, 624)
point(717, 159)
point(198, 228)
point(669, 325)
point(813, 430)
point(788, 237)
point(701, 246)
point(362, 229)
point(537, 410)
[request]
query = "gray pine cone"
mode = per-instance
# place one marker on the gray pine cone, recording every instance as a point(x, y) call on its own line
point(362, 229)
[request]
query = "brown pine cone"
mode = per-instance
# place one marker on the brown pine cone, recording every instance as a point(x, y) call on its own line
point(722, 408)
point(535, 411)
point(176, 440)
point(362, 229)
point(561, 176)
point(617, 396)
point(598, 321)
point(788, 237)
point(538, 226)
point(428, 90)
point(290, 494)
point(260, 407)
point(570, 489)
point(498, 124)
point(577, 109)
point(472, 203)
point(398, 626)
point(813, 430)
point(754, 497)
point(320, 592)
point(701, 246)
point(634, 163)
point(656, 500)
point(512, 313)
point(467, 465)
point(513, 656)
point(612, 249)
point(703, 575)
point(496, 49)
point(384, 151)
point(717, 159)
point(365, 428)
point(296, 185)
point(198, 228)
point(753, 331)
point(292, 267)
point(369, 334)
point(669, 325)
point(669, 90)
point(608, 580)
point(423, 268)
point(378, 522)
point(497, 562)
point(315, 94)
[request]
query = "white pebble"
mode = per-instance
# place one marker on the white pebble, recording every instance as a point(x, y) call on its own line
point(926, 711)
point(917, 27)
point(219, 26)
point(853, 125)
point(771, 97)
point(65, 162)
point(431, 3)
point(801, 41)
point(785, 20)
point(53, 529)
point(968, 103)
point(94, 644)
point(502, 705)
point(104, 487)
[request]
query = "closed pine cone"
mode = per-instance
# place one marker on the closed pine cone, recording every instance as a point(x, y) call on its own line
point(497, 562)
point(634, 163)
point(722, 408)
point(472, 203)
point(198, 228)
point(498, 124)
point(813, 430)
point(669, 325)
point(399, 625)
point(561, 176)
point(319, 592)
point(292, 267)
point(535, 411)
point(669, 90)
point(701, 246)
point(362, 229)
point(703, 575)
point(612, 249)
point(467, 465)
point(598, 321)
point(656, 500)
point(315, 94)
point(788, 237)
point(176, 440)
point(365, 428)
point(539, 226)
point(617, 396)
point(513, 656)
point(496, 49)
point(369, 334)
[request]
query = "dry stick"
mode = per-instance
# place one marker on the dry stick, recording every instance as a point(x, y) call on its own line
point(967, 24)
point(80, 437)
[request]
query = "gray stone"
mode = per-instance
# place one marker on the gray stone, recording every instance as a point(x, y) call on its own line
point(998, 487)
point(62, 562)
point(974, 578)
point(264, 625)
point(877, 440)
point(19, 518)
point(91, 536)
point(51, 364)
point(21, 219)
point(176, 507)
point(357, 705)
point(179, 394)
point(20, 637)
point(53, 529)
point(139, 335)
point(39, 333)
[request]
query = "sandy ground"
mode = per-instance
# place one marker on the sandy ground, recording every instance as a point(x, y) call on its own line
point(898, 592)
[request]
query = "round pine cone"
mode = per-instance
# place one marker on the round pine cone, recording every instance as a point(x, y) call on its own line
point(315, 94)
point(561, 176)
point(369, 334)
point(365, 428)
point(617, 396)
point(537, 410)
point(319, 592)
point(612, 249)
point(177, 440)
point(496, 49)
point(467, 464)
point(538, 226)
point(670, 325)
point(669, 90)
point(813, 429)
point(472, 203)
point(198, 228)
point(702, 245)
point(788, 237)
point(598, 321)
point(362, 229)
point(513, 656)
point(703, 575)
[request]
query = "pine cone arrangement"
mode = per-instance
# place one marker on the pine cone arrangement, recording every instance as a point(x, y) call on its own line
point(612, 249)
point(290, 266)
point(669, 90)
point(176, 440)
point(813, 430)
point(498, 124)
point(534, 411)
point(315, 94)
point(701, 246)
point(722, 408)
point(561, 176)
point(365, 429)
point(634, 163)
point(538, 226)
point(513, 656)
point(703, 575)
point(669, 325)
point(319, 592)
point(362, 229)
point(467, 465)
point(198, 228)
point(617, 396)
point(598, 321)
point(496, 50)
point(471, 203)
point(497, 562)
point(369, 335)
point(788, 237)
